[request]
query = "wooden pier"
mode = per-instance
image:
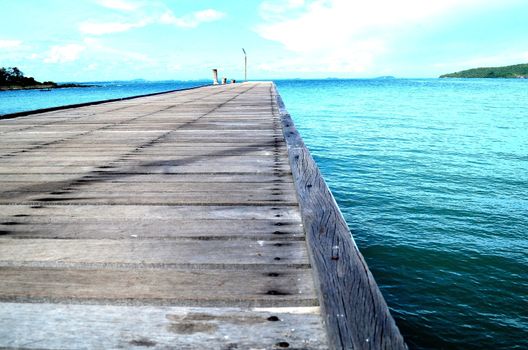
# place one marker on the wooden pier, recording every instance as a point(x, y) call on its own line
point(189, 220)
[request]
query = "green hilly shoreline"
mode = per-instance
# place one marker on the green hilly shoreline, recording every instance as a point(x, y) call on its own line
point(516, 71)
point(12, 78)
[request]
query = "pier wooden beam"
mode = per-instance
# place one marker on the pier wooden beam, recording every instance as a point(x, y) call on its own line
point(353, 308)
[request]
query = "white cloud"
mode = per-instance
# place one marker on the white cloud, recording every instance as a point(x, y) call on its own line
point(188, 21)
point(276, 10)
point(110, 27)
point(9, 44)
point(333, 23)
point(340, 35)
point(192, 20)
point(65, 53)
point(358, 59)
point(99, 50)
point(119, 5)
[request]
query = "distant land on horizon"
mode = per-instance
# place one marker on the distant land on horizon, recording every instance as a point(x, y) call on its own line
point(519, 71)
point(12, 78)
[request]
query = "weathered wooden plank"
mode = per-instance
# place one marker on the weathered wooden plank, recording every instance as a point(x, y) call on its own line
point(107, 213)
point(119, 137)
point(154, 198)
point(211, 287)
point(183, 148)
point(6, 169)
point(203, 254)
point(175, 150)
point(218, 158)
point(84, 140)
point(196, 167)
point(41, 226)
point(51, 326)
point(250, 124)
point(142, 187)
point(151, 193)
point(356, 315)
point(150, 178)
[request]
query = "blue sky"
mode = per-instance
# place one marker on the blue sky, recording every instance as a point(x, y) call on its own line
point(90, 40)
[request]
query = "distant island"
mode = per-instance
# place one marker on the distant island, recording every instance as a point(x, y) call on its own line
point(519, 71)
point(11, 78)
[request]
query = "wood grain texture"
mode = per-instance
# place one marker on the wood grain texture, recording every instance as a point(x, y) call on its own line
point(49, 326)
point(164, 285)
point(355, 312)
point(242, 254)
point(26, 225)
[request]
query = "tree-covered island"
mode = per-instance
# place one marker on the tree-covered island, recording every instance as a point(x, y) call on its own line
point(516, 71)
point(12, 78)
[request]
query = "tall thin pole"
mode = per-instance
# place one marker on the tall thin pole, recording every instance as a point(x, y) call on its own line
point(245, 64)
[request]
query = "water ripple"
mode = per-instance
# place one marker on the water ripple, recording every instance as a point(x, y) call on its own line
point(432, 177)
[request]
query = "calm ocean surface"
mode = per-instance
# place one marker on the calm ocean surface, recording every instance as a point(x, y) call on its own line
point(432, 177)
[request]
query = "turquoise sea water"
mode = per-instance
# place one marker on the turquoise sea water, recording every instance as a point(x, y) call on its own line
point(26, 100)
point(432, 178)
